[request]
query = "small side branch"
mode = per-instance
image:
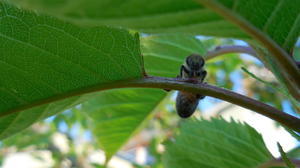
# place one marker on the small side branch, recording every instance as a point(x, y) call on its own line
point(220, 50)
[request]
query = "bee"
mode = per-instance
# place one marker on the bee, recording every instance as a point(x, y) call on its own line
point(193, 68)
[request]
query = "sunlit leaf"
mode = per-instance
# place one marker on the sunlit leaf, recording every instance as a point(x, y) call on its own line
point(43, 59)
point(118, 114)
point(278, 19)
point(215, 143)
point(163, 55)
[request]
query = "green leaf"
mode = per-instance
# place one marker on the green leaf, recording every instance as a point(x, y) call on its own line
point(170, 16)
point(116, 115)
point(164, 54)
point(285, 158)
point(44, 59)
point(279, 19)
point(215, 143)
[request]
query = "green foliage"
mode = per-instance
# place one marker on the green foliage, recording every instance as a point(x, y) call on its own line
point(164, 54)
point(276, 18)
point(215, 143)
point(172, 16)
point(45, 58)
point(117, 114)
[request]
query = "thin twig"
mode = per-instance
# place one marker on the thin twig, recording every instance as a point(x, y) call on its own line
point(220, 50)
point(179, 84)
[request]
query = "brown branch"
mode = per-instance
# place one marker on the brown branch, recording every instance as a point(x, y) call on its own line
point(227, 95)
point(220, 50)
point(179, 84)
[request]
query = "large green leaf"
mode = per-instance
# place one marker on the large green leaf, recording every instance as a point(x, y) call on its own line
point(43, 59)
point(164, 54)
point(279, 19)
point(214, 144)
point(156, 16)
point(115, 115)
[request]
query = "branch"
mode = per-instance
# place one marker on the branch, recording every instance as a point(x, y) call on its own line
point(220, 50)
point(179, 84)
point(224, 94)
point(225, 49)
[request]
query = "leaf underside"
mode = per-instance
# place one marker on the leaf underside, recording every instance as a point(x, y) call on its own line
point(278, 19)
point(163, 16)
point(116, 115)
point(42, 57)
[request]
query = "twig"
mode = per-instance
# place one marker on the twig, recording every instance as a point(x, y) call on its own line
point(220, 50)
point(179, 84)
